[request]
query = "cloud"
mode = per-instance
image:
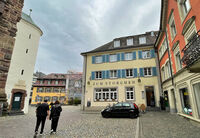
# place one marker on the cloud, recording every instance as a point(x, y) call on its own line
point(74, 26)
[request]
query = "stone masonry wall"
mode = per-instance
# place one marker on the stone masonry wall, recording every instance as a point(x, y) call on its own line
point(10, 14)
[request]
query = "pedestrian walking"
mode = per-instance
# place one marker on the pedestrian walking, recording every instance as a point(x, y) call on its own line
point(56, 109)
point(42, 112)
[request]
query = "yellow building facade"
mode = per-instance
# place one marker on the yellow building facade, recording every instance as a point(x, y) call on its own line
point(121, 70)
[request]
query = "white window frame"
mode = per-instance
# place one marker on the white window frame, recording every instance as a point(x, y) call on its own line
point(117, 43)
point(128, 56)
point(98, 75)
point(103, 95)
point(130, 94)
point(146, 54)
point(113, 74)
point(129, 73)
point(98, 59)
point(148, 72)
point(142, 40)
point(129, 41)
point(113, 58)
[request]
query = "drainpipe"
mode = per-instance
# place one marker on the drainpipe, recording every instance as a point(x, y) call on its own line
point(84, 81)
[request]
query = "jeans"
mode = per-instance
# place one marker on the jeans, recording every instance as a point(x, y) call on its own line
point(54, 123)
point(39, 120)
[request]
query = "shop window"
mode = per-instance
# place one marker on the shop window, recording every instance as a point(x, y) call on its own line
point(186, 106)
point(196, 88)
point(105, 94)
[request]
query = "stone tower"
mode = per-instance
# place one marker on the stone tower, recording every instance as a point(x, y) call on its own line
point(10, 14)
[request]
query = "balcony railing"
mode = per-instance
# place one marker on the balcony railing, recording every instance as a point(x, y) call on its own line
point(192, 50)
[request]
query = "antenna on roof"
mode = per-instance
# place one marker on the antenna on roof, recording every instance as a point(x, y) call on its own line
point(30, 12)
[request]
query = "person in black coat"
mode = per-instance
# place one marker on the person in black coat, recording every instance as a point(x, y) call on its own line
point(56, 109)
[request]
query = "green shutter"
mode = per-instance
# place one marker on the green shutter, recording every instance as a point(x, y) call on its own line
point(152, 53)
point(93, 75)
point(141, 72)
point(135, 72)
point(134, 55)
point(154, 71)
point(140, 54)
point(93, 59)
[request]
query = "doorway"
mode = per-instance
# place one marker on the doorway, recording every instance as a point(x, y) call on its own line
point(16, 103)
point(150, 98)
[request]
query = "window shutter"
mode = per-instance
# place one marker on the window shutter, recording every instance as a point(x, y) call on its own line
point(118, 56)
point(93, 59)
point(107, 74)
point(154, 71)
point(140, 54)
point(119, 73)
point(134, 55)
point(122, 56)
point(103, 58)
point(123, 73)
point(135, 72)
point(107, 58)
point(93, 75)
point(141, 72)
point(103, 74)
point(152, 53)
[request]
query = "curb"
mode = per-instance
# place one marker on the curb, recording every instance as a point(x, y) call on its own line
point(137, 128)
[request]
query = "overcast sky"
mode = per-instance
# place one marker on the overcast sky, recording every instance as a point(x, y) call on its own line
point(71, 27)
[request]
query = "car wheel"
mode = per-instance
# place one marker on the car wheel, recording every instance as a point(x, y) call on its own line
point(133, 115)
point(106, 115)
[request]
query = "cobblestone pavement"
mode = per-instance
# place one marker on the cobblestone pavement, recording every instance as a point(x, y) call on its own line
point(72, 124)
point(166, 125)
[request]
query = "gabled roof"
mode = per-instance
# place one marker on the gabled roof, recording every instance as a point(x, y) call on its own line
point(150, 40)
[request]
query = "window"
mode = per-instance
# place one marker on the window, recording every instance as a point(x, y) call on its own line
point(40, 89)
point(172, 26)
point(128, 56)
point(147, 72)
point(55, 89)
point(163, 73)
point(38, 99)
point(41, 81)
point(130, 93)
point(47, 98)
point(98, 75)
point(129, 42)
point(187, 108)
point(26, 51)
point(49, 82)
point(105, 94)
point(29, 36)
point(48, 89)
point(113, 58)
point(113, 73)
point(178, 61)
point(173, 29)
point(56, 82)
point(168, 70)
point(63, 90)
point(55, 98)
point(146, 54)
point(117, 43)
point(22, 72)
point(142, 40)
point(63, 82)
point(129, 73)
point(98, 59)
point(186, 7)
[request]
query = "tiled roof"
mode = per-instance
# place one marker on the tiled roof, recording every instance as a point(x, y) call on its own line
point(62, 76)
point(150, 40)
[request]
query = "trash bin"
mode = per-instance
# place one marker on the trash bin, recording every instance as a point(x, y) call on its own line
point(88, 103)
point(1, 109)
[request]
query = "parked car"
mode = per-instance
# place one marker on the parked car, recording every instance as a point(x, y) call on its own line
point(121, 109)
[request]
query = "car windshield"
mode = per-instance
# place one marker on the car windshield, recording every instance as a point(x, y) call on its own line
point(118, 104)
point(126, 104)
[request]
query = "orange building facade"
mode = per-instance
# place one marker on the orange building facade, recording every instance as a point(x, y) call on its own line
point(178, 49)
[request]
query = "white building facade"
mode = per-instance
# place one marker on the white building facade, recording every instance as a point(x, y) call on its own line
point(20, 75)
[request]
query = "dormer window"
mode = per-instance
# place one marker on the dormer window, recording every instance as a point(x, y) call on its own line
point(117, 43)
point(129, 41)
point(142, 40)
